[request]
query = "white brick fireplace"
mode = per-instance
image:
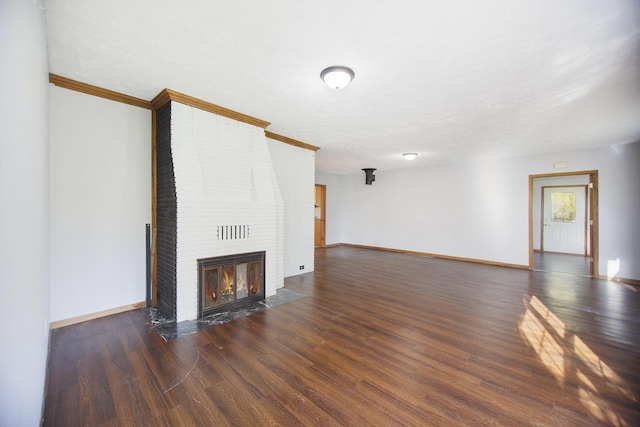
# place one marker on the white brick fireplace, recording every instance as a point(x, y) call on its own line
point(226, 199)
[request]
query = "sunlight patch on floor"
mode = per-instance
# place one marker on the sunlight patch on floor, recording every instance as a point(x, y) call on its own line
point(565, 355)
point(543, 339)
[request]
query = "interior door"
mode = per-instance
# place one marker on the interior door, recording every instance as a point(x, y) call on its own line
point(319, 214)
point(564, 219)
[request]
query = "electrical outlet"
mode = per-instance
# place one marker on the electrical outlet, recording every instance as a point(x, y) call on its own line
point(302, 267)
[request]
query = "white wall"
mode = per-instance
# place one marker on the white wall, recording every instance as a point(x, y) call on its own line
point(619, 207)
point(294, 168)
point(462, 210)
point(480, 210)
point(100, 186)
point(24, 201)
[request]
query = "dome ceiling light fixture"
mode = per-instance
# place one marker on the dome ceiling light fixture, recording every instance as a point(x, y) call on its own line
point(337, 76)
point(410, 156)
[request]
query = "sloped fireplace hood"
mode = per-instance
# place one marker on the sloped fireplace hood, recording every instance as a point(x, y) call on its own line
point(213, 174)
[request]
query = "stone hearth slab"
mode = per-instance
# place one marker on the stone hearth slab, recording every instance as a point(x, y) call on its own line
point(169, 329)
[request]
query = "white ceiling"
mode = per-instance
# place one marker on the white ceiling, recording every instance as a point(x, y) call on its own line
point(451, 80)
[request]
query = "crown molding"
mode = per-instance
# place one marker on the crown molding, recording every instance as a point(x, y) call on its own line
point(98, 91)
point(290, 141)
point(171, 95)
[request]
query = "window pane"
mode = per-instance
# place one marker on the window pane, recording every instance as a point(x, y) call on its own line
point(563, 207)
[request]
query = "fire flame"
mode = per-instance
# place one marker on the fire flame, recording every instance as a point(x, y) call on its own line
point(227, 282)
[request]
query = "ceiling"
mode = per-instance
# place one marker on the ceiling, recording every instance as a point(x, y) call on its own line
point(451, 80)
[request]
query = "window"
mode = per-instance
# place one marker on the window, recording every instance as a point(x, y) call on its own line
point(563, 207)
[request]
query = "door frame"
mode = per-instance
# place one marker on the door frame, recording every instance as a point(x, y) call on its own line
point(593, 215)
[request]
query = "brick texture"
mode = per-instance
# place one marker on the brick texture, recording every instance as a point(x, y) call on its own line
point(223, 175)
point(166, 209)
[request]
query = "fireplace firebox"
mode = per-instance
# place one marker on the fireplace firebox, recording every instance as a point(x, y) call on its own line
point(229, 282)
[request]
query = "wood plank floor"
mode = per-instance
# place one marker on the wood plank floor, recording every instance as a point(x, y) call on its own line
point(382, 339)
point(561, 263)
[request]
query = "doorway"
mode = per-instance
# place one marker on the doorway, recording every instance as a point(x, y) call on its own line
point(564, 219)
point(563, 222)
point(319, 214)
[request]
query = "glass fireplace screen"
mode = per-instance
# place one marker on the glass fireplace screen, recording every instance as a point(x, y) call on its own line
point(230, 280)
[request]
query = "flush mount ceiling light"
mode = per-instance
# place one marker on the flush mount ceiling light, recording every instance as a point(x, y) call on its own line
point(410, 156)
point(337, 76)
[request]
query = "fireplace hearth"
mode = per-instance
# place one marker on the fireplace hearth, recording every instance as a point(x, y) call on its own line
point(169, 329)
point(229, 282)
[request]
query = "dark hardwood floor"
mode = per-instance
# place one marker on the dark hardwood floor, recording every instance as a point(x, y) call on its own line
point(561, 263)
point(382, 339)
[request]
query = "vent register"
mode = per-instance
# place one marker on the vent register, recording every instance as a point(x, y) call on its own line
point(232, 232)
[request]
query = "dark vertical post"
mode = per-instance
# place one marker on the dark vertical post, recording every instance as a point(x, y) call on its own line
point(148, 256)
